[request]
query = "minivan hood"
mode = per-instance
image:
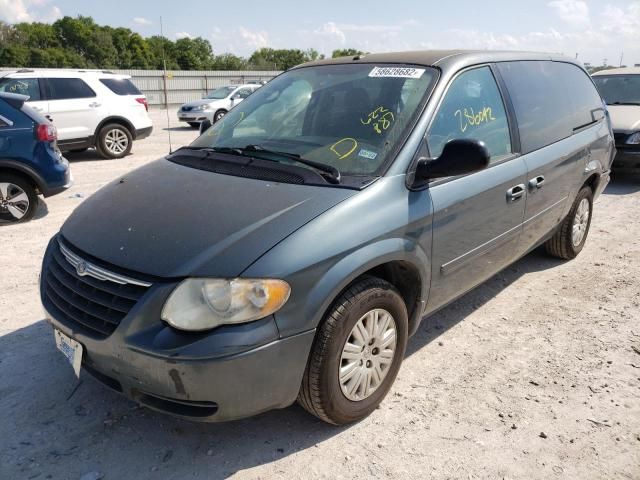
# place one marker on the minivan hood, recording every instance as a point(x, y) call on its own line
point(625, 118)
point(169, 220)
point(202, 101)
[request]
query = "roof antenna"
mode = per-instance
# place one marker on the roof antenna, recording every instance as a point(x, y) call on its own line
point(164, 82)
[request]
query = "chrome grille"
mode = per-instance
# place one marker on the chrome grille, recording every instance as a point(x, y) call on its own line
point(85, 296)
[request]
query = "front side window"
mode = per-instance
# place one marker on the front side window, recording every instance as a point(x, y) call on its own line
point(21, 86)
point(619, 89)
point(472, 108)
point(348, 116)
point(68, 88)
point(244, 92)
point(220, 93)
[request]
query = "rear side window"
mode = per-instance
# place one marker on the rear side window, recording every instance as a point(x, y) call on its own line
point(551, 100)
point(21, 86)
point(68, 88)
point(472, 108)
point(120, 86)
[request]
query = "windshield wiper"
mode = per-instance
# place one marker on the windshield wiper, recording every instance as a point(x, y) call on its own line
point(624, 103)
point(331, 174)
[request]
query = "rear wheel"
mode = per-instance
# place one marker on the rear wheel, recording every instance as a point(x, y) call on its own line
point(569, 239)
point(18, 199)
point(356, 354)
point(114, 141)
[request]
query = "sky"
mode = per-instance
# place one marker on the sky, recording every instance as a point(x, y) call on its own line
point(594, 30)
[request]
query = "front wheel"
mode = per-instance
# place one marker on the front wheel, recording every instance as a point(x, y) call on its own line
point(18, 199)
point(218, 116)
point(356, 354)
point(569, 239)
point(114, 141)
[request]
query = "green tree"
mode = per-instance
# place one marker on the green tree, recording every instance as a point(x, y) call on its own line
point(268, 58)
point(194, 53)
point(346, 52)
point(228, 61)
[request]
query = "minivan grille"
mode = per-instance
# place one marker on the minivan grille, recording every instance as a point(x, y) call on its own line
point(94, 301)
point(620, 138)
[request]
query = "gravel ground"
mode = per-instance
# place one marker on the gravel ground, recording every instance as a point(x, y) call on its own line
point(535, 374)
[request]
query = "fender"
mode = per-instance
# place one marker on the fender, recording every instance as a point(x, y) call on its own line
point(116, 119)
point(312, 304)
point(26, 171)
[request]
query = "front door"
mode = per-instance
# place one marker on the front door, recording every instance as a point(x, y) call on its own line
point(477, 218)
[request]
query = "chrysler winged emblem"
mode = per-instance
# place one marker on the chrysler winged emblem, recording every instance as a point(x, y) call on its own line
point(81, 268)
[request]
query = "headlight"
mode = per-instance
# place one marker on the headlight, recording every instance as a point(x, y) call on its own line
point(200, 108)
point(633, 139)
point(204, 303)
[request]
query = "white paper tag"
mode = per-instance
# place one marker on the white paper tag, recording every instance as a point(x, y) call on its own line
point(396, 72)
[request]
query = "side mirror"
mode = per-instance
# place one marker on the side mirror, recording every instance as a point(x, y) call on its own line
point(205, 125)
point(459, 157)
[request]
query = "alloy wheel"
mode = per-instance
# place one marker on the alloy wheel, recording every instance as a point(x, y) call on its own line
point(580, 222)
point(13, 199)
point(116, 141)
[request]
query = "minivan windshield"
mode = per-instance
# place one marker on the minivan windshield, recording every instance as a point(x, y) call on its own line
point(220, 93)
point(347, 116)
point(619, 89)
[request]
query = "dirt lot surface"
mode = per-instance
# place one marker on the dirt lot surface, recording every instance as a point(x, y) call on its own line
point(535, 374)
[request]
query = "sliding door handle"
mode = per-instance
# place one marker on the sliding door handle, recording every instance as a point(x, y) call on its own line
point(536, 183)
point(516, 192)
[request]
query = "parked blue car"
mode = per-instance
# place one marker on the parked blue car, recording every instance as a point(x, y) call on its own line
point(30, 161)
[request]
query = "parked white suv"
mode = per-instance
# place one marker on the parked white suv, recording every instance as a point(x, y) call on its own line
point(89, 108)
point(215, 104)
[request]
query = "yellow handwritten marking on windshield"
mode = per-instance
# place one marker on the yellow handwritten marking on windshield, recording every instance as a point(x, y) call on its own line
point(346, 143)
point(381, 118)
point(470, 117)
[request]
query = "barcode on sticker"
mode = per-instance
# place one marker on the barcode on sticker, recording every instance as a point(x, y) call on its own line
point(397, 72)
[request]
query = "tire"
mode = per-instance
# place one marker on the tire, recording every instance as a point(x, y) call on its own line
point(194, 124)
point(571, 235)
point(323, 392)
point(114, 141)
point(218, 116)
point(18, 199)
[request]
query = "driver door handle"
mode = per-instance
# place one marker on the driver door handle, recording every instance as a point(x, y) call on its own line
point(515, 192)
point(536, 183)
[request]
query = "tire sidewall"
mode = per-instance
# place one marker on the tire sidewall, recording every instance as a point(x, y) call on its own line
point(340, 408)
point(102, 145)
point(588, 194)
point(219, 115)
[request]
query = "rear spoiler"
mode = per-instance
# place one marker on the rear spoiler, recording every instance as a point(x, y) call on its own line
point(13, 99)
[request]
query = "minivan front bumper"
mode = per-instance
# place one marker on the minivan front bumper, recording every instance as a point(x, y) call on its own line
point(204, 389)
point(230, 372)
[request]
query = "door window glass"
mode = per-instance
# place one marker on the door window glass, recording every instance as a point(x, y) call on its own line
point(551, 100)
point(244, 92)
point(21, 86)
point(68, 88)
point(472, 108)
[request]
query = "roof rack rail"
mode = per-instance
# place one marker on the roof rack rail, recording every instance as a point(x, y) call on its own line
point(25, 70)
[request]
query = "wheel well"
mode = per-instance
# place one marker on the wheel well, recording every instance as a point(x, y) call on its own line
point(592, 182)
point(19, 173)
point(406, 278)
point(118, 120)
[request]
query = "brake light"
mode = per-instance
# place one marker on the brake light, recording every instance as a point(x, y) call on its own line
point(45, 132)
point(143, 101)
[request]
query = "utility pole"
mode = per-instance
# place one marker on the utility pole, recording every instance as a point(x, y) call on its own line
point(621, 57)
